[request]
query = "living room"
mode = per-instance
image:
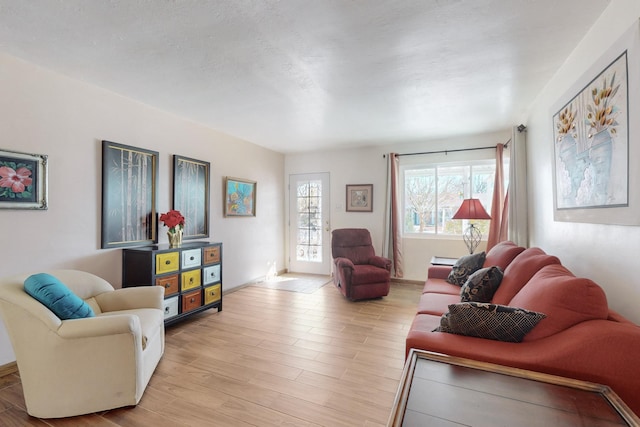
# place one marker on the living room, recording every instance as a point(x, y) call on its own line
point(49, 113)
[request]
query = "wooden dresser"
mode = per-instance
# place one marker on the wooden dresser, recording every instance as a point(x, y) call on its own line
point(191, 275)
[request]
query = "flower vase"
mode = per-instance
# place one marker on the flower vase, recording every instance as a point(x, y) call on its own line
point(175, 238)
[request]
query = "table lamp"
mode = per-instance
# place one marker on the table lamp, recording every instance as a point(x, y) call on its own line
point(471, 209)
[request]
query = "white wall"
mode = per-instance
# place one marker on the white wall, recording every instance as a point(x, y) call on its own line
point(46, 113)
point(367, 166)
point(607, 254)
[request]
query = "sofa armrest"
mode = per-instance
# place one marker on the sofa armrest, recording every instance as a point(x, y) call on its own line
point(100, 326)
point(381, 262)
point(131, 298)
point(343, 263)
point(439, 272)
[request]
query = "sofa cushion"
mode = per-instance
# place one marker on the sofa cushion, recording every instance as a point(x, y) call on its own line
point(352, 243)
point(54, 295)
point(437, 304)
point(481, 285)
point(366, 273)
point(519, 271)
point(440, 286)
point(465, 266)
point(502, 254)
point(565, 299)
point(490, 321)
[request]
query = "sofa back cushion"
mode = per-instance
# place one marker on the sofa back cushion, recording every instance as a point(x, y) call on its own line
point(502, 254)
point(519, 271)
point(352, 243)
point(566, 300)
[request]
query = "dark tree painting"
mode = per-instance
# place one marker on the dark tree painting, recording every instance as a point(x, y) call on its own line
point(191, 195)
point(129, 212)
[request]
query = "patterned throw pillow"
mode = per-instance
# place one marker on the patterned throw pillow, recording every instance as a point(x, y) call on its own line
point(465, 266)
point(490, 321)
point(481, 285)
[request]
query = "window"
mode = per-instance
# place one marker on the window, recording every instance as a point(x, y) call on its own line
point(433, 193)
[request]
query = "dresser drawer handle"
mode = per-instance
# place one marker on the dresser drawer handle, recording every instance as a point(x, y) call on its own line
point(190, 279)
point(167, 285)
point(166, 309)
point(167, 262)
point(191, 259)
point(193, 300)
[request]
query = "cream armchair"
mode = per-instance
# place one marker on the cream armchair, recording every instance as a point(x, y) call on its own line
point(80, 366)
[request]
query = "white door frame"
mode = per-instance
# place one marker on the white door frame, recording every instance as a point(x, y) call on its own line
point(314, 256)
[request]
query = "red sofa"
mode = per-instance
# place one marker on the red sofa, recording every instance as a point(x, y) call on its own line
point(579, 338)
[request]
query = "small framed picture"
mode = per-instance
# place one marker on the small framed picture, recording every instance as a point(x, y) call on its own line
point(360, 198)
point(23, 180)
point(240, 197)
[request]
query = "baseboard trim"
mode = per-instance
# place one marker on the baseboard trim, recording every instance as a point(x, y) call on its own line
point(407, 281)
point(8, 369)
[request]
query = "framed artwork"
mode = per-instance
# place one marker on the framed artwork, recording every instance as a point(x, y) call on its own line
point(23, 180)
point(239, 197)
point(129, 196)
point(191, 195)
point(592, 135)
point(359, 198)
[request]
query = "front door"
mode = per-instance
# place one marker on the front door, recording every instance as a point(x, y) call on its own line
point(309, 224)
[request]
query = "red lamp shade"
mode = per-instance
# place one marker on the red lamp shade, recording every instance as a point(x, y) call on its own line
point(471, 209)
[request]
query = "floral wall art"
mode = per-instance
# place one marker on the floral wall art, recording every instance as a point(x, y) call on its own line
point(592, 135)
point(23, 180)
point(240, 197)
point(591, 143)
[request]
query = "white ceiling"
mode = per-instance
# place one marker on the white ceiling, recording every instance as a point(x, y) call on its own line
point(300, 75)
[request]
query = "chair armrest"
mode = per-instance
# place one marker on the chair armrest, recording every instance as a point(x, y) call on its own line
point(100, 326)
point(131, 298)
point(381, 262)
point(343, 263)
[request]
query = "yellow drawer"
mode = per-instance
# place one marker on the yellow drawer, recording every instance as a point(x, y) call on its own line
point(191, 279)
point(212, 294)
point(167, 262)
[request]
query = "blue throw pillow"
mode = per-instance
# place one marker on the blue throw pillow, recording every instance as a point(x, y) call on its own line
point(53, 294)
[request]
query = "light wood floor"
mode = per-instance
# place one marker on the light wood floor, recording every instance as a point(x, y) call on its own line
point(270, 358)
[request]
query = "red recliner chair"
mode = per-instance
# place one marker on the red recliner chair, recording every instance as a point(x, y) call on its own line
point(358, 272)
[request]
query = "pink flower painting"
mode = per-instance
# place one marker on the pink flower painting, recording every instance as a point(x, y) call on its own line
point(16, 180)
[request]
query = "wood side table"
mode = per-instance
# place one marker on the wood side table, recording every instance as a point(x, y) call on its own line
point(441, 390)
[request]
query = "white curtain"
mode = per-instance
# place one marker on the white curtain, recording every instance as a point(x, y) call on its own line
point(517, 193)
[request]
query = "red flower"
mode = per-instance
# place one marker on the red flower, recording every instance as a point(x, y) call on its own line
point(16, 180)
point(172, 219)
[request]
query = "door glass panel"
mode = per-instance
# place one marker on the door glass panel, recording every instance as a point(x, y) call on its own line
point(309, 241)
